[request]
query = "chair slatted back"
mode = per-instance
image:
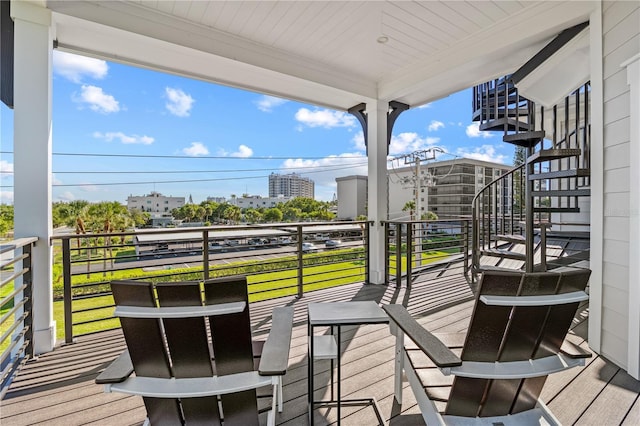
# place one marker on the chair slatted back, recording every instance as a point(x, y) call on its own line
point(180, 348)
point(189, 348)
point(505, 333)
point(232, 345)
point(145, 342)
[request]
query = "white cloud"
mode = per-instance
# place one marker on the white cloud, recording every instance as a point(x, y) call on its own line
point(242, 152)
point(409, 142)
point(267, 103)
point(6, 197)
point(358, 141)
point(123, 138)
point(75, 67)
point(485, 153)
point(97, 100)
point(326, 170)
point(196, 149)
point(66, 196)
point(473, 131)
point(178, 103)
point(423, 106)
point(325, 118)
point(6, 168)
point(435, 125)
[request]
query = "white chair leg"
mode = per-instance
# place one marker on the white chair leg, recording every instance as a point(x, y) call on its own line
point(280, 398)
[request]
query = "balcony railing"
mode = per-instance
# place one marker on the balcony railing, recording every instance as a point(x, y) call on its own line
point(278, 260)
point(412, 247)
point(16, 331)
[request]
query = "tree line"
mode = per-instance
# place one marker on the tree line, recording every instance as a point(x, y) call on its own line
point(296, 209)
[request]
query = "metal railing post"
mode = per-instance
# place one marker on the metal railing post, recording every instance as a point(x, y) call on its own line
point(205, 254)
point(367, 252)
point(67, 296)
point(399, 254)
point(27, 294)
point(300, 262)
point(409, 252)
point(465, 245)
point(387, 257)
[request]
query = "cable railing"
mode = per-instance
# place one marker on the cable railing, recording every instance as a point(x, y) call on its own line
point(278, 259)
point(414, 247)
point(16, 315)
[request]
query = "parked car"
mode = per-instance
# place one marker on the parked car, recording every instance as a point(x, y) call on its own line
point(332, 243)
point(309, 248)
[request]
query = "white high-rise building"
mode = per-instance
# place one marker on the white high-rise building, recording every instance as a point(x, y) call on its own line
point(290, 185)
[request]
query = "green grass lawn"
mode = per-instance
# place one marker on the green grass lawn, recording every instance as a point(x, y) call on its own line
point(95, 313)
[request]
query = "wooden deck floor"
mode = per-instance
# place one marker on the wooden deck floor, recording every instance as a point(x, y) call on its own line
point(58, 388)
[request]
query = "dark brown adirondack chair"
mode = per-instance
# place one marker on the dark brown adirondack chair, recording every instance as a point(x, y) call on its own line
point(494, 374)
point(193, 361)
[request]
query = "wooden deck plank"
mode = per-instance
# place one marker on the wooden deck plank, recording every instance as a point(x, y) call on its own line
point(58, 388)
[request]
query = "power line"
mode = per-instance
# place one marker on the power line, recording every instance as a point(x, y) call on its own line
point(210, 157)
point(202, 171)
point(186, 180)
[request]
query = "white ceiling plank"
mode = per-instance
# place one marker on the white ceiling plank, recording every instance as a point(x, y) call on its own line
point(197, 10)
point(424, 20)
point(511, 7)
point(181, 8)
point(165, 6)
point(262, 13)
point(265, 29)
point(455, 18)
point(490, 9)
point(467, 9)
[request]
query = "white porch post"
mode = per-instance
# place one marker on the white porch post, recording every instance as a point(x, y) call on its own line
point(633, 79)
point(377, 182)
point(32, 156)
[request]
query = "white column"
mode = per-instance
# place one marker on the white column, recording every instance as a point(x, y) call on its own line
point(633, 350)
point(377, 182)
point(597, 179)
point(32, 156)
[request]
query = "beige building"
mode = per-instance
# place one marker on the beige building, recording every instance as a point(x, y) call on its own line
point(290, 185)
point(352, 197)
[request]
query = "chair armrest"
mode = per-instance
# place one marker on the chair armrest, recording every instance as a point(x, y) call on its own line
point(275, 354)
point(572, 350)
point(118, 371)
point(441, 356)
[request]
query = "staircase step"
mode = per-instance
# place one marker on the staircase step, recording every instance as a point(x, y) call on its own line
point(585, 192)
point(516, 239)
point(561, 174)
point(505, 254)
point(552, 154)
point(498, 124)
point(556, 209)
point(525, 139)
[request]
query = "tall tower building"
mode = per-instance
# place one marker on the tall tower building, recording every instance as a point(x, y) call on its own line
point(290, 185)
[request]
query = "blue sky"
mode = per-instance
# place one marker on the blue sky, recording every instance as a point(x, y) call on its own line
point(145, 129)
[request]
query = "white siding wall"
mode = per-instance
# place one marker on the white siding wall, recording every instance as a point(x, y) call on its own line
point(621, 41)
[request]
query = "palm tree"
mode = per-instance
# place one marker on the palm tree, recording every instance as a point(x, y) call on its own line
point(409, 206)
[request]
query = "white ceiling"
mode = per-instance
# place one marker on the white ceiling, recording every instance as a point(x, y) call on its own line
point(321, 52)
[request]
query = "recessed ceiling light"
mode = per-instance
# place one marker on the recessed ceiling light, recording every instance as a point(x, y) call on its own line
point(382, 39)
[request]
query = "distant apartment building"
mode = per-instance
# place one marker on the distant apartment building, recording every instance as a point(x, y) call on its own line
point(154, 202)
point(446, 187)
point(257, 201)
point(352, 197)
point(290, 185)
point(219, 200)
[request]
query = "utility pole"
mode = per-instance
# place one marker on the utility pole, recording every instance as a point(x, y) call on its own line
point(415, 158)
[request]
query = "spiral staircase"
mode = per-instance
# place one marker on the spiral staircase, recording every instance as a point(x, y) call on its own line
point(533, 217)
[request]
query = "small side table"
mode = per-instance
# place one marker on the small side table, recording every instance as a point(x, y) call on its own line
point(335, 315)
